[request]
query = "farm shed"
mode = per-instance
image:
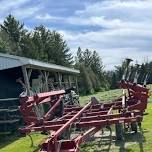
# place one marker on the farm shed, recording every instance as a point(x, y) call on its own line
point(18, 73)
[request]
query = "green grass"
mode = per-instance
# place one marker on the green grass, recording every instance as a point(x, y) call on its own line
point(140, 142)
point(23, 144)
point(107, 95)
point(132, 143)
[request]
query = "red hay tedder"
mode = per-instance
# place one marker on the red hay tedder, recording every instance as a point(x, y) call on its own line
point(70, 125)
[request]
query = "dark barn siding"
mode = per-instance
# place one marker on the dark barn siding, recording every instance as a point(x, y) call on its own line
point(9, 88)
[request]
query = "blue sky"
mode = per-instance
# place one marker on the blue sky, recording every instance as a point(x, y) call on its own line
point(116, 29)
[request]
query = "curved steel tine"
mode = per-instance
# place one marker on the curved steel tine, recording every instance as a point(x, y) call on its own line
point(127, 60)
point(137, 73)
point(130, 69)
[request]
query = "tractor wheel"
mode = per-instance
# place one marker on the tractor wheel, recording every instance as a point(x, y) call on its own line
point(134, 127)
point(119, 131)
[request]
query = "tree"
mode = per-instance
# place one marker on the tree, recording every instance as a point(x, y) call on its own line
point(41, 44)
point(15, 30)
point(59, 51)
point(113, 81)
point(4, 42)
point(85, 83)
point(47, 46)
point(87, 57)
point(92, 72)
point(41, 41)
point(28, 48)
point(79, 57)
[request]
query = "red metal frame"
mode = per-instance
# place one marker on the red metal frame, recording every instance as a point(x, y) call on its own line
point(92, 116)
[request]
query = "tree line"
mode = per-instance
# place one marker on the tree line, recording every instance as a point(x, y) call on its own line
point(49, 46)
point(144, 69)
point(41, 43)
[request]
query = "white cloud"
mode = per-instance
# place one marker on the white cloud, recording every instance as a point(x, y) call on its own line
point(115, 6)
point(126, 32)
point(18, 8)
point(114, 45)
point(25, 12)
point(47, 17)
point(9, 4)
point(124, 27)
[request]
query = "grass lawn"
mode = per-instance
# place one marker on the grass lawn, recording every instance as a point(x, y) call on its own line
point(140, 142)
point(22, 144)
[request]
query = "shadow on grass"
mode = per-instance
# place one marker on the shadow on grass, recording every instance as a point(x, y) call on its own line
point(8, 139)
point(102, 144)
point(132, 137)
point(31, 142)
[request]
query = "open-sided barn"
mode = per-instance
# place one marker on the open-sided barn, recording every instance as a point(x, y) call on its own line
point(18, 74)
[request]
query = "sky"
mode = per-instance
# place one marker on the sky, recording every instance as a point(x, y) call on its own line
point(116, 29)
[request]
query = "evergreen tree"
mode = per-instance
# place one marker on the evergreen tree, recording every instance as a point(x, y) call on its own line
point(87, 57)
point(84, 80)
point(41, 41)
point(41, 44)
point(28, 48)
point(15, 30)
point(59, 51)
point(4, 43)
point(79, 57)
point(93, 66)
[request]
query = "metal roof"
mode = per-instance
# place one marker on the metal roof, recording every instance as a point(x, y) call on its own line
point(11, 61)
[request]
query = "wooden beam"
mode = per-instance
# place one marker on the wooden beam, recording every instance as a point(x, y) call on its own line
point(29, 73)
point(69, 78)
point(76, 79)
point(26, 80)
point(46, 75)
point(60, 80)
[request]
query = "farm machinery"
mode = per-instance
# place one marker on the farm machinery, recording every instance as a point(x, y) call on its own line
point(69, 125)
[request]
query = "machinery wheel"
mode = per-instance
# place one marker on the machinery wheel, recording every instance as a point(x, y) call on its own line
point(119, 131)
point(134, 127)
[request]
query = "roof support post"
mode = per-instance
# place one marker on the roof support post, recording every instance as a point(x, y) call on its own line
point(26, 80)
point(46, 75)
point(60, 79)
point(69, 78)
point(29, 72)
point(76, 81)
